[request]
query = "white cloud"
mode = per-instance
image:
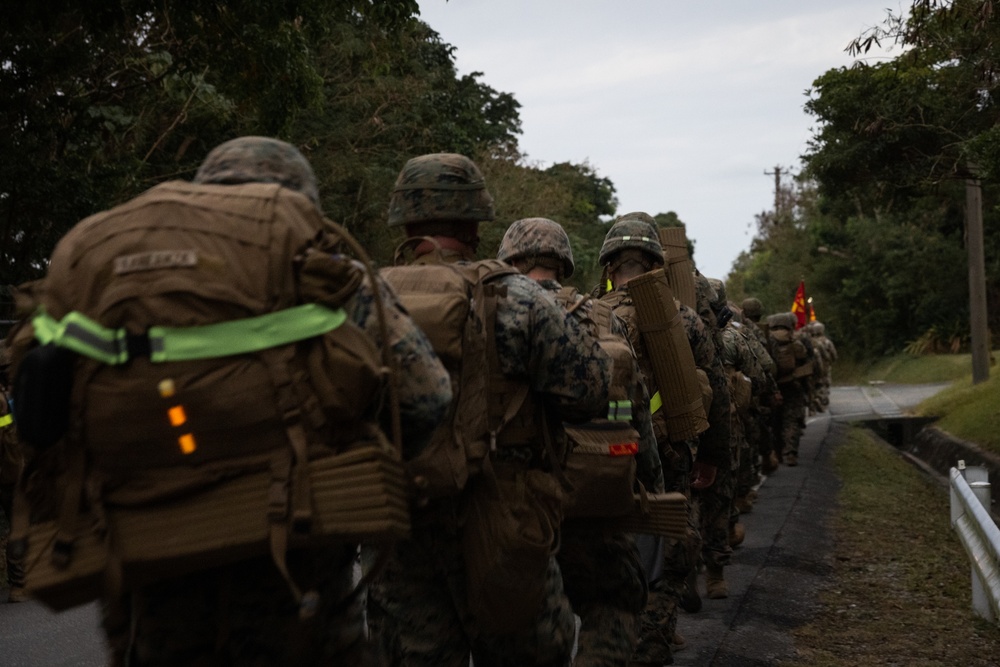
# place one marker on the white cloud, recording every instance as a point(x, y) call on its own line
point(682, 105)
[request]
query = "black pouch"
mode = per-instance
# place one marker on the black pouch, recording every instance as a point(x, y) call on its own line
point(41, 395)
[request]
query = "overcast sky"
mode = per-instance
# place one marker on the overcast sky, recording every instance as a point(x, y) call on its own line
point(682, 104)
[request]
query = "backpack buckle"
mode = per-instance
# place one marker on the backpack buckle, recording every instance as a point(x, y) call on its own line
point(138, 345)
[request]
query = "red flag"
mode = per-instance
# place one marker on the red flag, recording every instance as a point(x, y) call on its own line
point(799, 306)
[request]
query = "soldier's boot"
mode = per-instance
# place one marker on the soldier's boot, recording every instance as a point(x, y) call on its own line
point(677, 642)
point(15, 571)
point(737, 533)
point(772, 462)
point(744, 504)
point(715, 583)
point(690, 599)
point(791, 459)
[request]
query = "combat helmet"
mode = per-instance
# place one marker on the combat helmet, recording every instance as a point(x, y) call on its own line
point(632, 230)
point(259, 160)
point(537, 238)
point(440, 187)
point(720, 293)
point(786, 320)
point(752, 308)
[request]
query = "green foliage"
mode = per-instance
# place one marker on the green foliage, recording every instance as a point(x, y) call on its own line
point(899, 582)
point(99, 101)
point(903, 368)
point(969, 411)
point(876, 225)
point(575, 196)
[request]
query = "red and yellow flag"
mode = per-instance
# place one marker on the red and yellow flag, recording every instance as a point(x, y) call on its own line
point(799, 306)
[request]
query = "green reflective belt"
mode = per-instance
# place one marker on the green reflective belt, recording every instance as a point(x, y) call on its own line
point(619, 410)
point(6, 420)
point(655, 403)
point(110, 346)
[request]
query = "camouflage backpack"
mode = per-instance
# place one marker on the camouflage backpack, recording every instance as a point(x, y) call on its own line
point(785, 348)
point(209, 405)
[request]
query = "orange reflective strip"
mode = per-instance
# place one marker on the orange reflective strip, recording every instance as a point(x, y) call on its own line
point(623, 449)
point(177, 415)
point(187, 444)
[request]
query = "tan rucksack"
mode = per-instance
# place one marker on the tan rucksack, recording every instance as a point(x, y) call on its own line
point(601, 463)
point(218, 403)
point(455, 305)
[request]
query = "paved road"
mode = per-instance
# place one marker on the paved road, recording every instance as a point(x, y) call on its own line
point(772, 579)
point(787, 550)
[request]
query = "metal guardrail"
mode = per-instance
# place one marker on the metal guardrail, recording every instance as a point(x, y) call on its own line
point(972, 522)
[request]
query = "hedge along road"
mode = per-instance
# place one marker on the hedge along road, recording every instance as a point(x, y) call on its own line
point(772, 579)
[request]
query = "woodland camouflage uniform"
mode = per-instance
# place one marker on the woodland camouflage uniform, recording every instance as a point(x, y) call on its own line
point(763, 389)
point(418, 607)
point(788, 418)
point(601, 570)
point(244, 613)
point(630, 233)
point(760, 432)
point(827, 351)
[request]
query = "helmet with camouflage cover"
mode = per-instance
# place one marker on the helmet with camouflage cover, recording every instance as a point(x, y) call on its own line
point(259, 160)
point(752, 308)
point(782, 320)
point(720, 293)
point(440, 187)
point(818, 329)
point(632, 231)
point(532, 239)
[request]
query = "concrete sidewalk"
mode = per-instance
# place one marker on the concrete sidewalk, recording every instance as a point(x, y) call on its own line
point(777, 570)
point(775, 574)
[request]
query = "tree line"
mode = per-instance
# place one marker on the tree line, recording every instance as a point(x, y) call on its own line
point(874, 222)
point(99, 101)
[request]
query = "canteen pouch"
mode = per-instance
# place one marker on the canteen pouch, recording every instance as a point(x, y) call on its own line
point(41, 395)
point(510, 537)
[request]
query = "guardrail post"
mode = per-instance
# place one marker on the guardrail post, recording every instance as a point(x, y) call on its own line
point(982, 548)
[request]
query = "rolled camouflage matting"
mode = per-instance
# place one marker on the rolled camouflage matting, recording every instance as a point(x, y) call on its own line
point(358, 495)
point(679, 266)
point(664, 514)
point(670, 355)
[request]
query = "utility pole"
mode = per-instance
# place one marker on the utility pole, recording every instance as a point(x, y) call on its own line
point(977, 279)
point(777, 189)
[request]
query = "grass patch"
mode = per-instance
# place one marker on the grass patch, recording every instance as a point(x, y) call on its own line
point(970, 412)
point(900, 591)
point(904, 369)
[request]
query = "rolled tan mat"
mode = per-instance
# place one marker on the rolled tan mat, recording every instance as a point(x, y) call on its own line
point(679, 266)
point(59, 588)
point(222, 524)
point(803, 371)
point(667, 515)
point(670, 355)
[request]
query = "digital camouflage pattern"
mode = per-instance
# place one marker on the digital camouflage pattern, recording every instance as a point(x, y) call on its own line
point(601, 570)
point(423, 384)
point(531, 239)
point(440, 187)
point(418, 609)
point(635, 231)
point(752, 308)
point(658, 620)
point(259, 160)
point(419, 613)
